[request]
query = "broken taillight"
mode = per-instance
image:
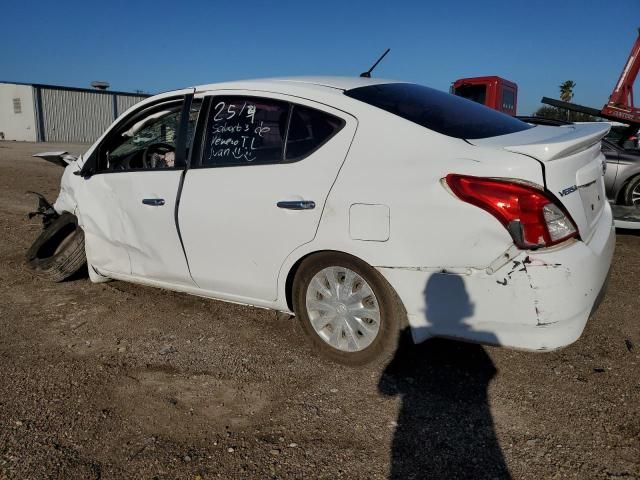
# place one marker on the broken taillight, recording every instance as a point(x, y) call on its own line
point(532, 218)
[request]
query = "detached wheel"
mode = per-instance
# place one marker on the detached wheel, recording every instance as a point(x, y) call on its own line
point(58, 253)
point(631, 195)
point(347, 309)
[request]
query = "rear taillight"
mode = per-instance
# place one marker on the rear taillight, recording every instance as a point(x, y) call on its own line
point(531, 217)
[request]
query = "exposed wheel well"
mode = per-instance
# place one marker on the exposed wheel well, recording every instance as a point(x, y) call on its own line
point(622, 190)
point(294, 269)
point(620, 195)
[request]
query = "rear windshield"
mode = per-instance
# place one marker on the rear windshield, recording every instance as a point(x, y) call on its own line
point(442, 112)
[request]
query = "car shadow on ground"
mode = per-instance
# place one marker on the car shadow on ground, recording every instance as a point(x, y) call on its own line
point(445, 428)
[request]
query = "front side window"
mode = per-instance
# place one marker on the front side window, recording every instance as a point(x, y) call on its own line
point(148, 143)
point(148, 139)
point(438, 111)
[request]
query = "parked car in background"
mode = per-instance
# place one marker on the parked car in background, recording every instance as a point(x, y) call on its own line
point(618, 130)
point(362, 206)
point(622, 179)
point(622, 176)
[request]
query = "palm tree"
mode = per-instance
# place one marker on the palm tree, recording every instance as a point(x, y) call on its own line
point(566, 90)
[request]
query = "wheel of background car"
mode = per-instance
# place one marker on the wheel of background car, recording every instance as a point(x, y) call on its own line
point(348, 310)
point(58, 253)
point(631, 194)
point(160, 148)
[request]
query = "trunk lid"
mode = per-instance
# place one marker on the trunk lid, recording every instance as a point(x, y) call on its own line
point(572, 162)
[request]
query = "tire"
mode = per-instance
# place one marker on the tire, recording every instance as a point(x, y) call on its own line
point(58, 253)
point(627, 195)
point(355, 342)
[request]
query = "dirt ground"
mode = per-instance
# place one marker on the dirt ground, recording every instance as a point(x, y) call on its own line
point(120, 381)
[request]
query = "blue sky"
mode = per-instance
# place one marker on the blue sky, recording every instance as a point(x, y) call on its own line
point(161, 45)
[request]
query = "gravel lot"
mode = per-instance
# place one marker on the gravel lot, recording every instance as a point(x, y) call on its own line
point(121, 381)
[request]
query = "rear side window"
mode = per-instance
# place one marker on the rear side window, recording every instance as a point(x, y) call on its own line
point(254, 131)
point(309, 129)
point(244, 130)
point(438, 111)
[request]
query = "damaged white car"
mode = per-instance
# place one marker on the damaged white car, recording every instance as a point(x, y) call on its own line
point(361, 205)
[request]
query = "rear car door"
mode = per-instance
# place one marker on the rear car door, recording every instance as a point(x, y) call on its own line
point(133, 193)
point(257, 189)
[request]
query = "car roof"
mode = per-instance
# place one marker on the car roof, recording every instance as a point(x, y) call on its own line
point(312, 83)
point(328, 90)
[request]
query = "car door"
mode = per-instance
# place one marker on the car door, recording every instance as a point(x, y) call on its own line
point(257, 189)
point(612, 158)
point(130, 202)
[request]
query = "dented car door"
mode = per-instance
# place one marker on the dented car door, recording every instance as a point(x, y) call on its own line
point(129, 205)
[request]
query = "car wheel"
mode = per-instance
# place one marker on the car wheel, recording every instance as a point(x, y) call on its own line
point(631, 195)
point(347, 309)
point(58, 253)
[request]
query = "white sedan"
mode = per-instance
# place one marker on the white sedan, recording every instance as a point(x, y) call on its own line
point(363, 206)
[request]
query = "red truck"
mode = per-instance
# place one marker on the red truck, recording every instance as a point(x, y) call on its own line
point(502, 95)
point(492, 91)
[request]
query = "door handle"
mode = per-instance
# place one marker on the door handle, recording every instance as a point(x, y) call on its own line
point(154, 202)
point(297, 204)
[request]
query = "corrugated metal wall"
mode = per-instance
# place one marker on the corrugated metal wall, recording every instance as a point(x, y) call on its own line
point(79, 116)
point(124, 102)
point(70, 116)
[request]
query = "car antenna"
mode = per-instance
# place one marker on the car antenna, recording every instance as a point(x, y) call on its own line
point(367, 74)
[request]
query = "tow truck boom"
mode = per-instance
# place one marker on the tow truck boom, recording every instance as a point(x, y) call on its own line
point(620, 106)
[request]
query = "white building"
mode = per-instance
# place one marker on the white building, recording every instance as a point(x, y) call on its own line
point(51, 113)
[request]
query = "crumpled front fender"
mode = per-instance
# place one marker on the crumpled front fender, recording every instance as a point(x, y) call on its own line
point(67, 199)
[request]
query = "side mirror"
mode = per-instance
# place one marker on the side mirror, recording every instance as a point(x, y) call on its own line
point(84, 173)
point(88, 169)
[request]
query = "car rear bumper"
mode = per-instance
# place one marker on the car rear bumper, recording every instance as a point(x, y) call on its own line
point(538, 301)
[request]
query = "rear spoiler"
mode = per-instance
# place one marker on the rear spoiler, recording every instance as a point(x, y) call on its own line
point(549, 143)
point(573, 139)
